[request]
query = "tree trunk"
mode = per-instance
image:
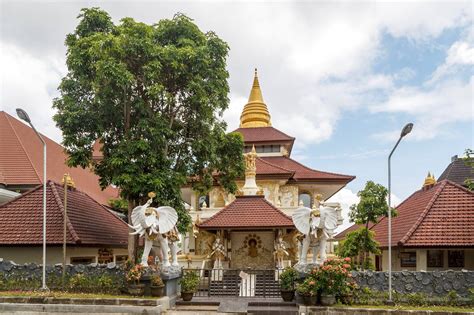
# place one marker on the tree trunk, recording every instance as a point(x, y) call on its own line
point(132, 239)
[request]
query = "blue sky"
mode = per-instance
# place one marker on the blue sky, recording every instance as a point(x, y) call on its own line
point(342, 77)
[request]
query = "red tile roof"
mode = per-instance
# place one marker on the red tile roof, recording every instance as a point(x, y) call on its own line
point(266, 168)
point(458, 171)
point(21, 161)
point(440, 216)
point(304, 173)
point(248, 212)
point(264, 134)
point(88, 222)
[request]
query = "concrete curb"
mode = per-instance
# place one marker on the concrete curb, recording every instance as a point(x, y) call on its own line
point(85, 309)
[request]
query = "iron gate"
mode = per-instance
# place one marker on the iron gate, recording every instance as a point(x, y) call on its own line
point(238, 282)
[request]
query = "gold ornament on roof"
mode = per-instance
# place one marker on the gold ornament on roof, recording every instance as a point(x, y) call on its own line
point(250, 166)
point(255, 113)
point(429, 180)
point(69, 181)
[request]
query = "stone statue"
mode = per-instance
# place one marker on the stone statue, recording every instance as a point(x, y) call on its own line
point(317, 225)
point(156, 224)
point(280, 252)
point(218, 252)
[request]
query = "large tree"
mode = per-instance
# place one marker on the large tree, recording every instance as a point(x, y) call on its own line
point(371, 207)
point(153, 95)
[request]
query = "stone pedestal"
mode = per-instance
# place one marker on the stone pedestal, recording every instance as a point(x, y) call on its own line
point(172, 288)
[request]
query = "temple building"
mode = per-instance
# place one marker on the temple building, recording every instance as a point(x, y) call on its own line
point(433, 228)
point(249, 223)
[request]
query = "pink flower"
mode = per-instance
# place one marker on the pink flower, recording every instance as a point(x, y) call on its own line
point(346, 266)
point(347, 259)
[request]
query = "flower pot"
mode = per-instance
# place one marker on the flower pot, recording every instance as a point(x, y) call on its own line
point(136, 289)
point(287, 296)
point(157, 291)
point(187, 296)
point(310, 299)
point(328, 299)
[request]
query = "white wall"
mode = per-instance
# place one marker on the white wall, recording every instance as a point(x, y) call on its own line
point(54, 255)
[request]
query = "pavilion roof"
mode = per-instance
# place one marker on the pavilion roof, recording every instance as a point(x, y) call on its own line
point(88, 222)
point(440, 215)
point(21, 161)
point(248, 212)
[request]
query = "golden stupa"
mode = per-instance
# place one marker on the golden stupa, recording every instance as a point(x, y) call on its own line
point(429, 180)
point(255, 113)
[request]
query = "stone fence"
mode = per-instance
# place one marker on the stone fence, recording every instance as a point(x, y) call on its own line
point(437, 283)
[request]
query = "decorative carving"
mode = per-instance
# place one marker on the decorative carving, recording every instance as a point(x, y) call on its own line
point(204, 241)
point(218, 252)
point(280, 252)
point(252, 250)
point(288, 196)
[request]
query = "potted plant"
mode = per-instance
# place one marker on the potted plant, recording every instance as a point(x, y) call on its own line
point(334, 278)
point(308, 290)
point(133, 277)
point(157, 286)
point(287, 283)
point(189, 284)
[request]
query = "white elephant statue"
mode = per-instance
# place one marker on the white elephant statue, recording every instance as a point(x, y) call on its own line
point(156, 224)
point(317, 225)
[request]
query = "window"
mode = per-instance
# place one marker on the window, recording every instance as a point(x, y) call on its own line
point(456, 258)
point(435, 258)
point(305, 198)
point(82, 260)
point(408, 259)
point(202, 200)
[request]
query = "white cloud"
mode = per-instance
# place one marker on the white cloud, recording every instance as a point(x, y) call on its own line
point(461, 53)
point(446, 103)
point(30, 83)
point(347, 198)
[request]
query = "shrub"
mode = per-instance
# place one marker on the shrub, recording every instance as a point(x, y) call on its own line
point(156, 280)
point(334, 277)
point(288, 278)
point(189, 282)
point(452, 298)
point(309, 287)
point(134, 274)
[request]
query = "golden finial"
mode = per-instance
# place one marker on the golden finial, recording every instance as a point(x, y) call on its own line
point(429, 180)
point(255, 113)
point(69, 181)
point(151, 194)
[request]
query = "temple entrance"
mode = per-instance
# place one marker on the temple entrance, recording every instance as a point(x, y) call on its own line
point(252, 249)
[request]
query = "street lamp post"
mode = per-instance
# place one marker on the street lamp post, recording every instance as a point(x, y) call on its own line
point(24, 116)
point(406, 130)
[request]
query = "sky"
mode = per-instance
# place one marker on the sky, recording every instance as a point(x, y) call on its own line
point(342, 77)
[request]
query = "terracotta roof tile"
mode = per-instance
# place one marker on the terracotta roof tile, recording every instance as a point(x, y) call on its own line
point(21, 161)
point(266, 168)
point(88, 222)
point(263, 134)
point(303, 173)
point(248, 212)
point(457, 171)
point(440, 216)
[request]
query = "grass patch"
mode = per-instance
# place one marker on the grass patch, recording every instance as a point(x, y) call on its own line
point(414, 308)
point(62, 294)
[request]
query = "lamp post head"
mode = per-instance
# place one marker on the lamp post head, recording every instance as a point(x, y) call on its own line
point(406, 130)
point(23, 115)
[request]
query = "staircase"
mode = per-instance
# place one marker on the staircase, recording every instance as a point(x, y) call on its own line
point(229, 286)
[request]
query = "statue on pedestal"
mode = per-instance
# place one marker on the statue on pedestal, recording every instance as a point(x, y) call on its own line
point(317, 225)
point(218, 252)
point(156, 224)
point(280, 252)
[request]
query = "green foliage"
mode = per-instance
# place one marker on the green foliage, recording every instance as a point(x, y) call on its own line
point(288, 278)
point(452, 298)
point(359, 241)
point(190, 281)
point(371, 207)
point(469, 161)
point(156, 280)
point(334, 277)
point(119, 204)
point(153, 95)
point(309, 287)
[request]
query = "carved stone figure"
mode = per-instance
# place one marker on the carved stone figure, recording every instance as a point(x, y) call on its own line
point(317, 225)
point(218, 253)
point(153, 223)
point(280, 252)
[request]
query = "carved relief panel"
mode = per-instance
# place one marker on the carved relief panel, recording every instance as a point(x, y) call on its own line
point(289, 196)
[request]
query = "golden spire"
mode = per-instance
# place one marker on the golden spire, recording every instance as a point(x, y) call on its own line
point(255, 113)
point(429, 180)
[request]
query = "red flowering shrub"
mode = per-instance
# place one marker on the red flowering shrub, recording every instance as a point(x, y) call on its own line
point(334, 277)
